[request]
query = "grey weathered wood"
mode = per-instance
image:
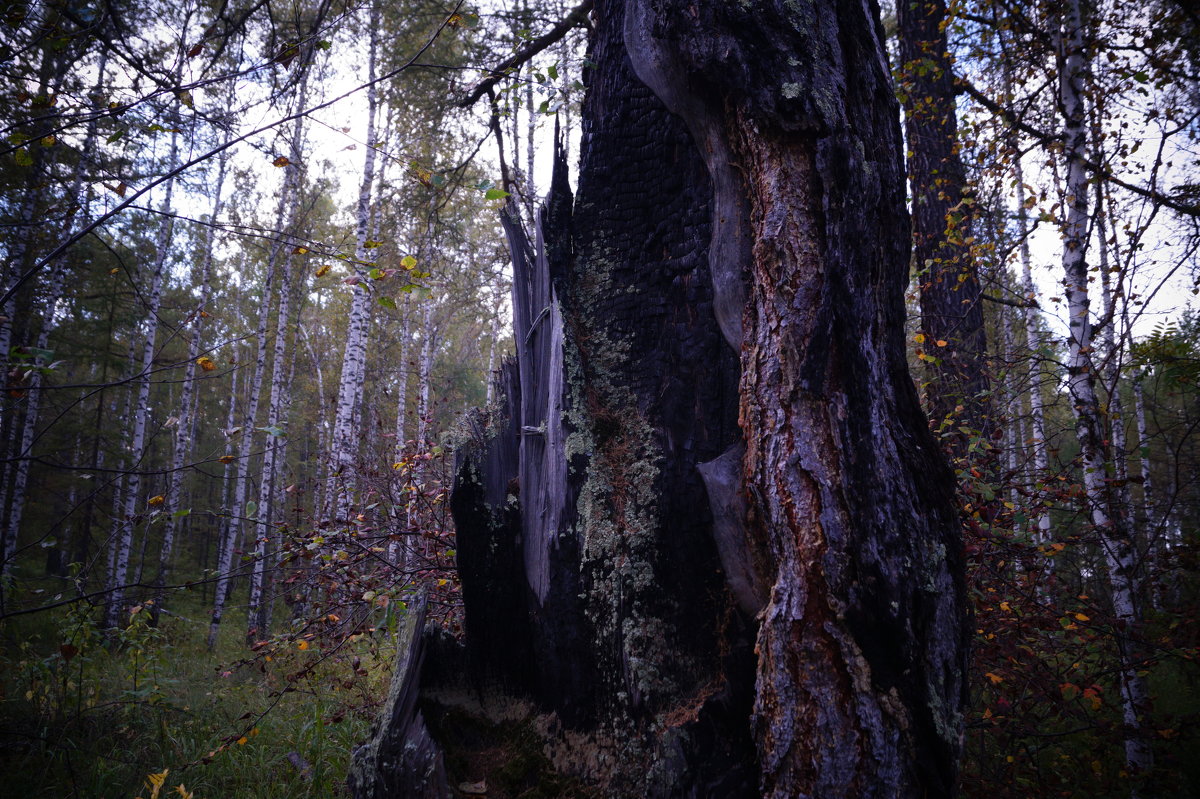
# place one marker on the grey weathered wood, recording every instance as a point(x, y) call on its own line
point(401, 759)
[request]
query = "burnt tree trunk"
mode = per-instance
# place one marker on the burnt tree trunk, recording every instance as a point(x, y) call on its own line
point(709, 549)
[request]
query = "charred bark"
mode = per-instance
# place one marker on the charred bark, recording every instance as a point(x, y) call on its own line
point(718, 577)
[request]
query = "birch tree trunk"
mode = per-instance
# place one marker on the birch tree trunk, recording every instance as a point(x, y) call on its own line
point(259, 618)
point(141, 414)
point(274, 450)
point(229, 526)
point(241, 515)
point(1111, 522)
point(345, 433)
point(19, 437)
point(56, 280)
point(323, 424)
point(425, 372)
point(122, 416)
point(184, 427)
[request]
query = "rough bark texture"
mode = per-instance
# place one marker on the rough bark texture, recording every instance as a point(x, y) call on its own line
point(951, 309)
point(797, 629)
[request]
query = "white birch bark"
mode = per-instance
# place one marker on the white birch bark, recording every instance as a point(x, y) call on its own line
point(1111, 524)
point(238, 511)
point(184, 426)
point(424, 373)
point(19, 437)
point(1033, 337)
point(345, 432)
point(116, 596)
point(323, 423)
point(56, 281)
point(1012, 436)
point(121, 417)
point(259, 617)
point(1113, 359)
point(402, 381)
point(1139, 410)
point(260, 578)
point(227, 537)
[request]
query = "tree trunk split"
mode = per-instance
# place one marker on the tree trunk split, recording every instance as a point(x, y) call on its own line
point(798, 626)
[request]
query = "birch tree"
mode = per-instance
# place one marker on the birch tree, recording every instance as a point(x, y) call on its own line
point(345, 435)
point(141, 410)
point(273, 450)
point(184, 427)
point(1108, 515)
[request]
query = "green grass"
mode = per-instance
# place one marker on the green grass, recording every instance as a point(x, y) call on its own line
point(84, 717)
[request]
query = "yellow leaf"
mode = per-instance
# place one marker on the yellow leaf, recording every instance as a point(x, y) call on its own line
point(226, 459)
point(155, 782)
point(302, 645)
point(408, 262)
point(919, 338)
point(206, 363)
point(941, 342)
point(281, 161)
point(156, 501)
point(324, 270)
point(1005, 606)
point(995, 678)
point(242, 741)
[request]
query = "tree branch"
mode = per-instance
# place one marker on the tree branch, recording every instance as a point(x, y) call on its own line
point(572, 20)
point(1012, 303)
point(1155, 196)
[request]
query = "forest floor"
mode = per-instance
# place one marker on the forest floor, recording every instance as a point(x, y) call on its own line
point(95, 718)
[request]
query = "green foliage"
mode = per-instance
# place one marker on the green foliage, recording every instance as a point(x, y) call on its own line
point(88, 715)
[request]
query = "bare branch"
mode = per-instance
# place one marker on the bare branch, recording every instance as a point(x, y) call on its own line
point(577, 17)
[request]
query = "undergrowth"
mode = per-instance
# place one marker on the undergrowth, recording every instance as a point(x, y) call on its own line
point(86, 716)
